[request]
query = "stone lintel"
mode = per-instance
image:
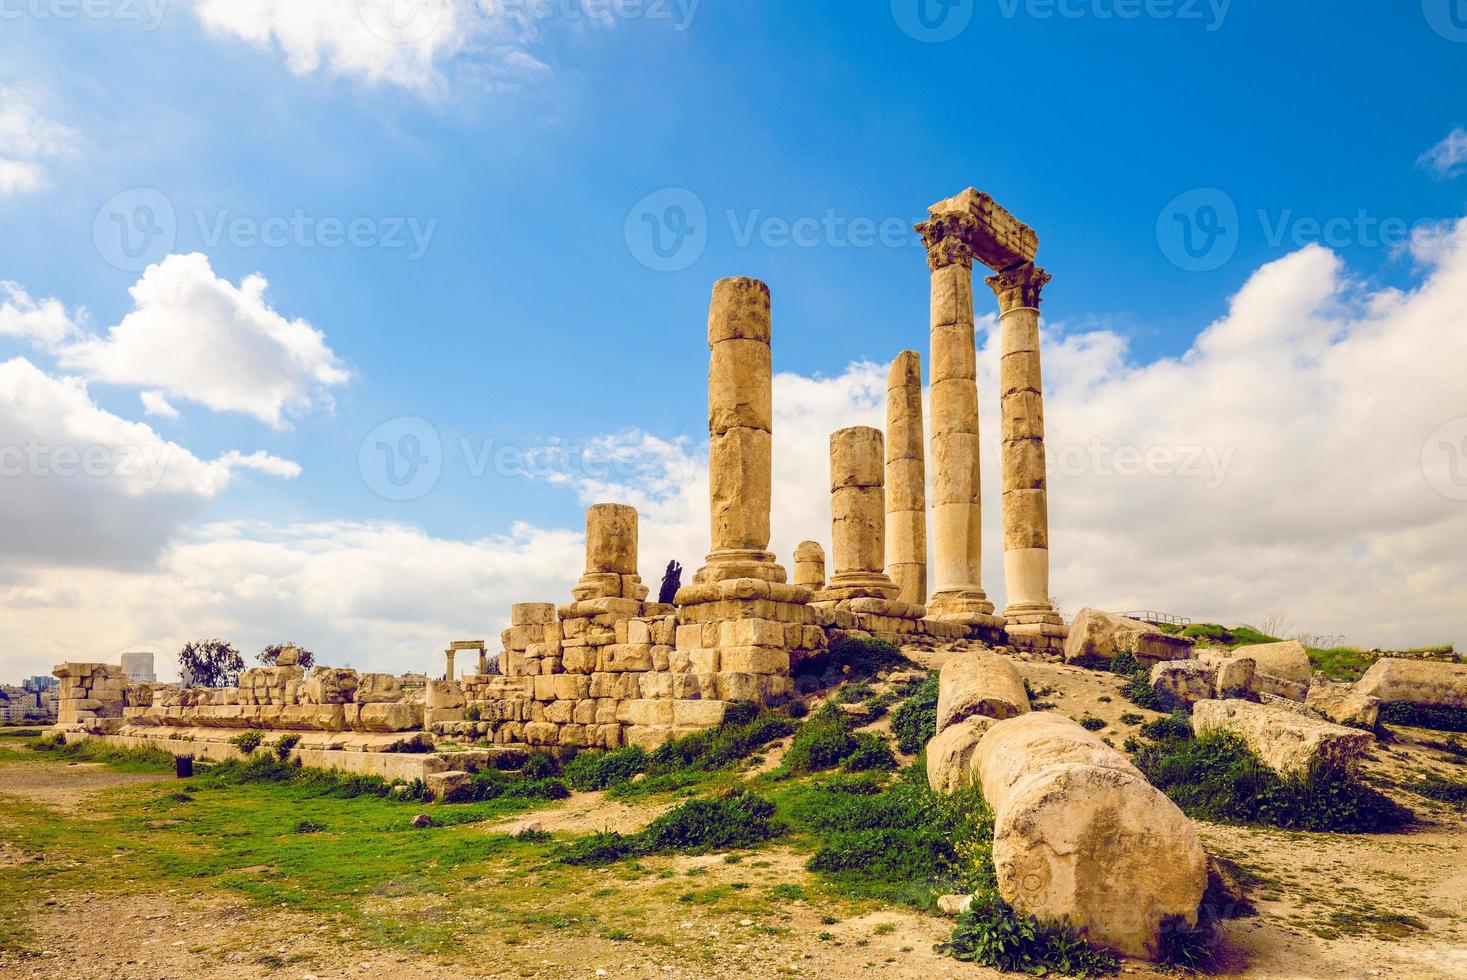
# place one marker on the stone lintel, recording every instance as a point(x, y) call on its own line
point(996, 237)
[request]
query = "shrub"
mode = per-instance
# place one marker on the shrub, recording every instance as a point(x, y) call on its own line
point(994, 935)
point(492, 784)
point(416, 744)
point(696, 827)
point(285, 744)
point(599, 770)
point(1424, 716)
point(248, 741)
point(1091, 723)
point(870, 753)
point(1215, 777)
point(852, 658)
point(822, 742)
point(309, 827)
point(714, 748)
point(915, 721)
point(1185, 947)
point(1174, 725)
point(1131, 718)
point(797, 709)
point(539, 765)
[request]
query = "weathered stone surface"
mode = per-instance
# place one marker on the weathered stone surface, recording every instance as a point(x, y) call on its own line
point(979, 683)
point(1344, 705)
point(1081, 837)
point(331, 685)
point(378, 689)
point(1097, 635)
point(809, 565)
point(950, 754)
point(1234, 674)
point(1423, 682)
point(440, 784)
point(1284, 740)
point(1287, 660)
point(1189, 681)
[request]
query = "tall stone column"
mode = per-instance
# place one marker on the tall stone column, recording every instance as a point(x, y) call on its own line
point(740, 433)
point(906, 479)
point(957, 535)
point(857, 517)
point(448, 668)
point(1025, 497)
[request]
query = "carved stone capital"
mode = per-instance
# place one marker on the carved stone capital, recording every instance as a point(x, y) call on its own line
point(1018, 287)
point(948, 238)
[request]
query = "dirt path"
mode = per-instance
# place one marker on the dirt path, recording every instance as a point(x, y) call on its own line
point(64, 787)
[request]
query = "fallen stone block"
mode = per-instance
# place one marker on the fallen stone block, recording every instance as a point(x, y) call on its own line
point(440, 784)
point(1283, 740)
point(979, 683)
point(1187, 681)
point(1082, 838)
point(1097, 635)
point(1287, 660)
point(1344, 705)
point(950, 754)
point(1423, 682)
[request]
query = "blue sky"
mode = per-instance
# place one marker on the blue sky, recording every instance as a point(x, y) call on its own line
point(521, 159)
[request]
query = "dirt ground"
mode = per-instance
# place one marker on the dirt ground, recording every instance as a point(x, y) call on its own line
point(1328, 906)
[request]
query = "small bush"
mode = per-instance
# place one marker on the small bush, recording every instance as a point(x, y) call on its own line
point(285, 744)
point(696, 827)
point(1184, 947)
point(714, 748)
point(1424, 716)
point(797, 709)
point(1131, 718)
point(915, 722)
point(1215, 777)
point(248, 741)
point(1091, 723)
point(495, 785)
point(1174, 725)
point(994, 935)
point(822, 742)
point(871, 753)
point(539, 765)
point(418, 744)
point(599, 770)
point(309, 827)
point(852, 658)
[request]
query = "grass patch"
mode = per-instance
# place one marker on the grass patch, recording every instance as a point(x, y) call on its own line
point(822, 742)
point(851, 659)
point(590, 771)
point(1091, 723)
point(915, 722)
point(1215, 777)
point(1229, 636)
point(692, 759)
point(1424, 716)
point(994, 935)
point(696, 827)
point(1449, 791)
point(1341, 663)
point(494, 785)
point(92, 750)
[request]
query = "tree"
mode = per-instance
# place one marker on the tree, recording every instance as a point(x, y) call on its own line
point(270, 654)
point(210, 663)
point(672, 579)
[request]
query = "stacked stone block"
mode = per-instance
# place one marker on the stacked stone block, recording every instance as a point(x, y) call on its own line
point(91, 695)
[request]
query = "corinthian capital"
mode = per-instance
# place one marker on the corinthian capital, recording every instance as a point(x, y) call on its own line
point(1018, 287)
point(948, 238)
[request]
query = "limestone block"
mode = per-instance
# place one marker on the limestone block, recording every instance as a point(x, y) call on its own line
point(639, 631)
point(331, 685)
point(979, 683)
point(1283, 740)
point(378, 689)
point(1188, 681)
point(664, 631)
point(1344, 705)
point(645, 711)
point(809, 569)
point(545, 687)
point(542, 733)
point(1101, 635)
point(1081, 837)
point(440, 784)
point(950, 754)
point(532, 613)
point(560, 712)
point(1287, 660)
point(579, 659)
point(611, 539)
point(1424, 682)
point(729, 685)
point(689, 636)
point(1234, 674)
point(740, 463)
point(443, 694)
point(740, 386)
point(698, 714)
point(754, 659)
point(620, 657)
point(571, 687)
point(648, 736)
point(751, 632)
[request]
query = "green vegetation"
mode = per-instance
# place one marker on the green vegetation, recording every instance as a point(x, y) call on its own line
point(1231, 636)
point(1341, 663)
point(598, 770)
point(915, 722)
point(993, 934)
point(1424, 716)
point(88, 750)
point(822, 742)
point(1131, 718)
point(310, 782)
point(494, 785)
point(1174, 726)
point(248, 741)
point(698, 826)
point(419, 744)
point(852, 659)
point(285, 745)
point(1215, 777)
point(1091, 723)
point(1138, 689)
point(1450, 791)
point(20, 733)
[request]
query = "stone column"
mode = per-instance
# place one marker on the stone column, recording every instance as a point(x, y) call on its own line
point(957, 536)
point(611, 555)
point(448, 670)
point(906, 480)
point(857, 517)
point(1025, 498)
point(740, 433)
point(810, 565)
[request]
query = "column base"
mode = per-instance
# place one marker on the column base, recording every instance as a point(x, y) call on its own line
point(1032, 613)
point(1038, 637)
point(739, 563)
point(604, 585)
point(959, 602)
point(858, 585)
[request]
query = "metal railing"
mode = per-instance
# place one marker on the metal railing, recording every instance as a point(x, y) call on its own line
point(1157, 618)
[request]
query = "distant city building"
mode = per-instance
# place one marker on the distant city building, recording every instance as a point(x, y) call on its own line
point(139, 668)
point(20, 704)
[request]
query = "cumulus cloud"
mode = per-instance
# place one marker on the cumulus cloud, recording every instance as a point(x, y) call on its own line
point(1449, 157)
point(79, 485)
point(194, 336)
point(407, 43)
point(28, 141)
point(45, 324)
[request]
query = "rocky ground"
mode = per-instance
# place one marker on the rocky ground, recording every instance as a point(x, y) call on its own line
point(1328, 905)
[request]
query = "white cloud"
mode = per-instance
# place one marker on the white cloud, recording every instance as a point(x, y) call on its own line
point(45, 324)
point(407, 43)
point(1449, 157)
point(79, 485)
point(28, 141)
point(194, 336)
point(154, 403)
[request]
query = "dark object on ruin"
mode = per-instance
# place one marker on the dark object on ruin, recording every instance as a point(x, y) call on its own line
point(672, 580)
